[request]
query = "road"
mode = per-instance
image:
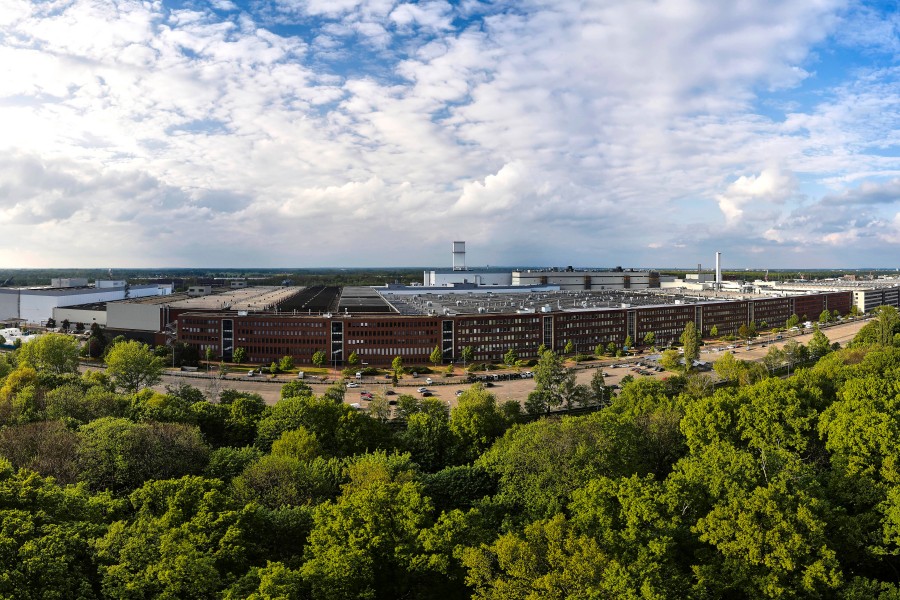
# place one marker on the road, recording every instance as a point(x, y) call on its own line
point(445, 388)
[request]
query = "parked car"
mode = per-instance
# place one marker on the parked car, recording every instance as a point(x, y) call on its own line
point(352, 384)
point(459, 393)
point(428, 380)
point(421, 389)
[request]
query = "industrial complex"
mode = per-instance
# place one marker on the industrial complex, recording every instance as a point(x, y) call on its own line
point(489, 311)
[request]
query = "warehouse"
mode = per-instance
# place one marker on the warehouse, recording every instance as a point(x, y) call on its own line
point(491, 326)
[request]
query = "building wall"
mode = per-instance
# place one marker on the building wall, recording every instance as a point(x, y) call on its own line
point(132, 315)
point(446, 278)
point(79, 315)
point(9, 304)
point(774, 311)
point(378, 339)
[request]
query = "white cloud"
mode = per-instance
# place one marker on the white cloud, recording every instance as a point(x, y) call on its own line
point(589, 126)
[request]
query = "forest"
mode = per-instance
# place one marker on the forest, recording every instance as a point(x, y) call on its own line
point(775, 488)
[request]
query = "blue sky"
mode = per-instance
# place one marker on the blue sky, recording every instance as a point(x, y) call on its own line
point(305, 133)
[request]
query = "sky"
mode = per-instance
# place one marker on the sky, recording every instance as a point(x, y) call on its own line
point(365, 133)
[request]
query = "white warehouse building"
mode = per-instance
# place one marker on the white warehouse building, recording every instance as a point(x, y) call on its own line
point(36, 305)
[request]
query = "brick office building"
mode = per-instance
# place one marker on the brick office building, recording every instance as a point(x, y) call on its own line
point(378, 338)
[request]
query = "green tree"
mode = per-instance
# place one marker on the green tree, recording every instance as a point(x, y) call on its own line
point(353, 359)
point(510, 358)
point(629, 343)
point(239, 355)
point(854, 311)
point(598, 349)
point(611, 348)
point(319, 358)
point(554, 384)
point(714, 331)
point(649, 338)
point(774, 359)
point(690, 340)
point(599, 391)
point(825, 316)
point(819, 345)
point(670, 360)
point(133, 366)
point(793, 321)
point(52, 352)
point(569, 347)
point(476, 422)
point(184, 541)
point(292, 389)
point(743, 331)
point(286, 363)
point(467, 355)
point(365, 544)
point(886, 323)
point(397, 366)
point(436, 356)
point(119, 455)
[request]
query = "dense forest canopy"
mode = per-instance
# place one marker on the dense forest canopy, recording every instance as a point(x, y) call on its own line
point(780, 488)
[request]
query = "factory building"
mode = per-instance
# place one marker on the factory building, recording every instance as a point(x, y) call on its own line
point(588, 280)
point(378, 338)
point(36, 305)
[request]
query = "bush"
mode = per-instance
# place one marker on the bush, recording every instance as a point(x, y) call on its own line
point(582, 357)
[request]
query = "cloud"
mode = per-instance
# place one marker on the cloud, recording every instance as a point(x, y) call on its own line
point(770, 186)
point(608, 131)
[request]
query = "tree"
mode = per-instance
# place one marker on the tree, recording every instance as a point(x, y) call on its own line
point(792, 321)
point(436, 356)
point(599, 391)
point(629, 343)
point(854, 311)
point(743, 331)
point(670, 360)
point(611, 348)
point(825, 317)
point(794, 352)
point(239, 355)
point(598, 349)
point(819, 345)
point(690, 339)
point(510, 358)
point(365, 545)
point(120, 455)
point(476, 422)
point(773, 359)
point(397, 366)
point(65, 325)
point(133, 366)
point(649, 338)
point(319, 357)
point(286, 363)
point(886, 322)
point(714, 331)
point(554, 384)
point(353, 359)
point(569, 347)
point(293, 389)
point(52, 353)
point(467, 355)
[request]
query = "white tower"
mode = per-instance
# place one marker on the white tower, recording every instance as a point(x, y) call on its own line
point(718, 270)
point(459, 256)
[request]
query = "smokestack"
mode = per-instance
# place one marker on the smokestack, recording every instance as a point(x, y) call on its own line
point(718, 269)
point(699, 268)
